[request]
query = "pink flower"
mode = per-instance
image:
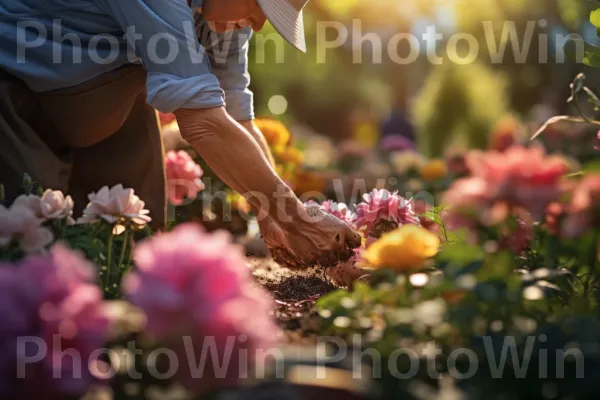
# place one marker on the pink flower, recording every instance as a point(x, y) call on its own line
point(519, 177)
point(383, 211)
point(21, 224)
point(114, 206)
point(183, 177)
point(194, 284)
point(583, 212)
point(597, 145)
point(52, 205)
point(55, 300)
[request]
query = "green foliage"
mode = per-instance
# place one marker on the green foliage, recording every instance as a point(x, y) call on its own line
point(459, 105)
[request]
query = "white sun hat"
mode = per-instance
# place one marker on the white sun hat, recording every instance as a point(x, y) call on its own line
point(286, 18)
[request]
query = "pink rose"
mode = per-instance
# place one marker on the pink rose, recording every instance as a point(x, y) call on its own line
point(194, 284)
point(115, 205)
point(51, 205)
point(520, 177)
point(382, 211)
point(55, 300)
point(183, 177)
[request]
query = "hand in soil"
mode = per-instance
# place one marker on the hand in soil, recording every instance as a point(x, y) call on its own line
point(318, 238)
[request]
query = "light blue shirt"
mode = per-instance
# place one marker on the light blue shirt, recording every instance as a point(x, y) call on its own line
point(54, 44)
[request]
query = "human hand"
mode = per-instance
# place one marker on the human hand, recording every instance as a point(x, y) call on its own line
point(314, 237)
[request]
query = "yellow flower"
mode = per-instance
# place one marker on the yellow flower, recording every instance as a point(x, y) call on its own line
point(433, 170)
point(276, 133)
point(403, 249)
point(367, 133)
point(290, 155)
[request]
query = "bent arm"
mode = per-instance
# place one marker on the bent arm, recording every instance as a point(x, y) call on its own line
point(238, 160)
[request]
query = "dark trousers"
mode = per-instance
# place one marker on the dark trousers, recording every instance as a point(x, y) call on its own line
point(77, 140)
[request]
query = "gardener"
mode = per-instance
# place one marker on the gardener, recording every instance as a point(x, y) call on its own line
point(77, 106)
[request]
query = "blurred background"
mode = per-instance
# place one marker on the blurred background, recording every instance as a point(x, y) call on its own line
point(441, 107)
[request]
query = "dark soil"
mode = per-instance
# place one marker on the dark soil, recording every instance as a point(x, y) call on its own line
point(300, 288)
point(295, 293)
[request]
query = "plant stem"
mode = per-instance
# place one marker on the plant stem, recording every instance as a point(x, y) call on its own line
point(109, 259)
point(123, 249)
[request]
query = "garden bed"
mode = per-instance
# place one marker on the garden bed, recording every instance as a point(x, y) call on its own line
point(294, 293)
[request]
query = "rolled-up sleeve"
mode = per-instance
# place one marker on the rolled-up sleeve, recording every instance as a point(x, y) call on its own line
point(179, 71)
point(228, 54)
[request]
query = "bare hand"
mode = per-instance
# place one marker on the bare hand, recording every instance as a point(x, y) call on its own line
point(317, 238)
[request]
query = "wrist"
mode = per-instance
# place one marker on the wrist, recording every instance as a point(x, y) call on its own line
point(286, 209)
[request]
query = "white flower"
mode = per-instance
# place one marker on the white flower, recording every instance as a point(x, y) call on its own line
point(115, 204)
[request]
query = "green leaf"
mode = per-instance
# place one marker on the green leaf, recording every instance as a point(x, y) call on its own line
point(595, 17)
point(331, 300)
point(582, 52)
point(460, 253)
point(497, 267)
point(592, 166)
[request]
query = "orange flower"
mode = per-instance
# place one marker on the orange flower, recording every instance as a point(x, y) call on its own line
point(434, 170)
point(290, 155)
point(275, 132)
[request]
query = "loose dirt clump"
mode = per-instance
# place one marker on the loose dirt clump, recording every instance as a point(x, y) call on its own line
point(291, 286)
point(295, 293)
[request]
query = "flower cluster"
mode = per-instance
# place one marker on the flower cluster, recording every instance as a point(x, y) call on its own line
point(183, 177)
point(116, 205)
point(523, 178)
point(196, 285)
point(289, 155)
point(275, 132)
point(52, 205)
point(54, 300)
point(382, 211)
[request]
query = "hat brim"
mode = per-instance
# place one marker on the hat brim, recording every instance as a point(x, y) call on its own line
point(286, 20)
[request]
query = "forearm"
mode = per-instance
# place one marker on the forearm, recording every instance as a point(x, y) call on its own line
point(237, 158)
